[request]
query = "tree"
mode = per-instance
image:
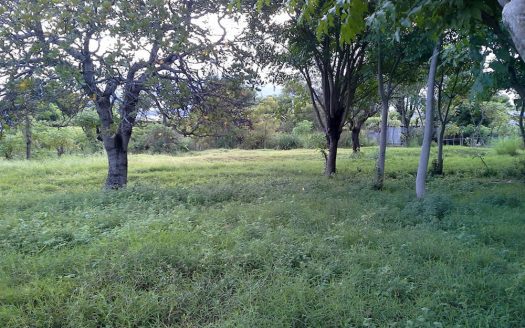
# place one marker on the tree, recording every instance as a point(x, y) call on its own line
point(323, 40)
point(118, 51)
point(514, 18)
point(337, 66)
point(407, 104)
point(508, 71)
point(453, 85)
point(427, 137)
point(399, 52)
point(22, 100)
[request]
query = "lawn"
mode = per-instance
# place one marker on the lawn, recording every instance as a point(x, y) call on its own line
point(231, 238)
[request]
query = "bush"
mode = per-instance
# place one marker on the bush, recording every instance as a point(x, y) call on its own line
point(433, 206)
point(345, 141)
point(314, 140)
point(507, 146)
point(286, 141)
point(11, 144)
point(62, 140)
point(303, 128)
point(156, 138)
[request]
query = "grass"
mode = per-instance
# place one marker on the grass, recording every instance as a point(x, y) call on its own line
point(262, 239)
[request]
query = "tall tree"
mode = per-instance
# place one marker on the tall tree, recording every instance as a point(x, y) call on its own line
point(325, 41)
point(453, 86)
point(117, 50)
point(427, 137)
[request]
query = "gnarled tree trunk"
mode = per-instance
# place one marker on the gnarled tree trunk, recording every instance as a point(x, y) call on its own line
point(116, 143)
point(117, 150)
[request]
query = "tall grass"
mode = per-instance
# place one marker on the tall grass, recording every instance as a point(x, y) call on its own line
point(262, 239)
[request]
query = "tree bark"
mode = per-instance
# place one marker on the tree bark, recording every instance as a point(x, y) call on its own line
point(115, 143)
point(521, 123)
point(514, 18)
point(117, 150)
point(380, 166)
point(28, 136)
point(427, 137)
point(333, 141)
point(356, 143)
point(439, 165)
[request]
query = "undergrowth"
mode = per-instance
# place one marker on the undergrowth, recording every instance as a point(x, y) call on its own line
point(262, 239)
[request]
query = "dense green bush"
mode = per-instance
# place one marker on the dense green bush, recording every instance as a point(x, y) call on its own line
point(286, 141)
point(303, 128)
point(11, 144)
point(62, 140)
point(156, 138)
point(507, 146)
point(314, 140)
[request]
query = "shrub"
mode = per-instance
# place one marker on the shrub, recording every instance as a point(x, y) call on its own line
point(314, 140)
point(11, 144)
point(286, 141)
point(507, 146)
point(432, 206)
point(156, 138)
point(303, 128)
point(345, 141)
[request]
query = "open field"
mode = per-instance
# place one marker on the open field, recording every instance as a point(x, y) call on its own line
point(262, 239)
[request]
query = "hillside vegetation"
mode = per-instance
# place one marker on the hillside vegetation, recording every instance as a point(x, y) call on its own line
point(261, 239)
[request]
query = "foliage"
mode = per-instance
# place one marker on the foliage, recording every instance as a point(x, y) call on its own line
point(286, 141)
point(508, 146)
point(156, 138)
point(11, 144)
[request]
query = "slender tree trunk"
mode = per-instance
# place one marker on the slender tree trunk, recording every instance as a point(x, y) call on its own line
point(28, 136)
point(427, 137)
point(333, 141)
point(380, 166)
point(439, 164)
point(521, 123)
point(356, 143)
point(514, 18)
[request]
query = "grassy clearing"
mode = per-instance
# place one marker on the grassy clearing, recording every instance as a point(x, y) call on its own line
point(261, 239)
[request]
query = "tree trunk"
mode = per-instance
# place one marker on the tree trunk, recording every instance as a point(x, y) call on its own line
point(522, 126)
point(407, 135)
point(356, 143)
point(427, 137)
point(115, 143)
point(333, 141)
point(439, 165)
point(380, 166)
point(117, 150)
point(60, 151)
point(514, 19)
point(28, 136)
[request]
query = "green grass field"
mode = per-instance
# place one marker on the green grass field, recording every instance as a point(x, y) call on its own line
point(262, 239)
